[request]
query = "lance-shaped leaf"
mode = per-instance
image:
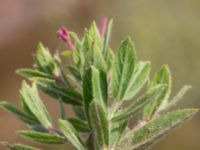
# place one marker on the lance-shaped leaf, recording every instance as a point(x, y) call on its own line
point(77, 54)
point(78, 59)
point(56, 91)
point(76, 74)
point(39, 128)
point(95, 35)
point(87, 50)
point(163, 76)
point(109, 58)
point(107, 35)
point(92, 53)
point(123, 68)
point(17, 146)
point(27, 109)
point(79, 125)
point(99, 124)
point(71, 134)
point(87, 89)
point(80, 113)
point(99, 87)
point(117, 131)
point(30, 73)
point(40, 137)
point(44, 60)
point(155, 129)
point(178, 97)
point(75, 38)
point(98, 59)
point(138, 79)
point(18, 113)
point(32, 99)
point(139, 103)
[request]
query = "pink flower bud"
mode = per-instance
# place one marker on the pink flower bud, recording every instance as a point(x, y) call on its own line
point(103, 26)
point(63, 33)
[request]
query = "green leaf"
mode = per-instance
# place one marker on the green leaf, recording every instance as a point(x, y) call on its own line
point(39, 128)
point(80, 113)
point(117, 132)
point(99, 87)
point(67, 53)
point(40, 137)
point(44, 60)
point(30, 73)
point(123, 68)
point(17, 146)
point(95, 35)
point(27, 109)
point(18, 113)
point(155, 129)
point(98, 59)
point(71, 134)
point(139, 103)
point(163, 76)
point(78, 59)
point(107, 35)
point(87, 89)
point(74, 72)
point(75, 38)
point(92, 44)
point(56, 91)
point(178, 97)
point(62, 109)
point(31, 98)
point(109, 58)
point(99, 124)
point(87, 50)
point(138, 79)
point(79, 125)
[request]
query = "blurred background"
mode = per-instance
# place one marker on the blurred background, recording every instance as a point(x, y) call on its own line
point(164, 31)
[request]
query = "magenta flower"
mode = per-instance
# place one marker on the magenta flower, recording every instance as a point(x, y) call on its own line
point(103, 26)
point(63, 33)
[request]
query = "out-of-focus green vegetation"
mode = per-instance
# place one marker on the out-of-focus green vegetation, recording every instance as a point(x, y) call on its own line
point(164, 31)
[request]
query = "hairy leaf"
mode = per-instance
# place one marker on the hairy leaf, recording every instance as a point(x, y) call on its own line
point(107, 35)
point(75, 73)
point(30, 73)
point(155, 129)
point(65, 94)
point(123, 68)
point(44, 61)
point(31, 98)
point(139, 103)
point(117, 131)
point(95, 35)
point(42, 137)
point(109, 58)
point(71, 134)
point(17, 146)
point(163, 76)
point(98, 59)
point(79, 125)
point(178, 97)
point(87, 51)
point(138, 79)
point(99, 124)
point(80, 113)
point(18, 113)
point(99, 87)
point(87, 89)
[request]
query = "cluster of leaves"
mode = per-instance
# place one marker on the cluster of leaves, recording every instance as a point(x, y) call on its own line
point(98, 86)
